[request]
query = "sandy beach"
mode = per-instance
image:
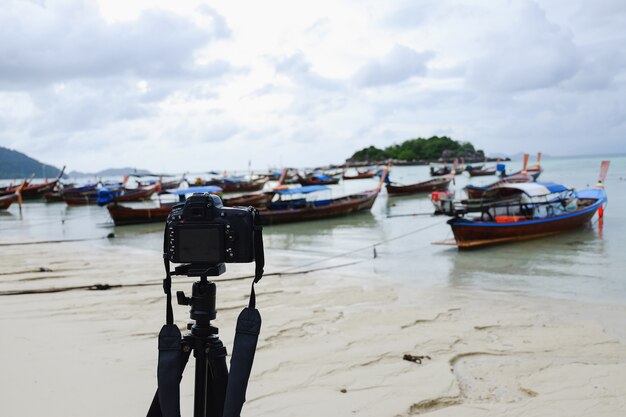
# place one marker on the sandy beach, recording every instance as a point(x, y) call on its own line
point(332, 343)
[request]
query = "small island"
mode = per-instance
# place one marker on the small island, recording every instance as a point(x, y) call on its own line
point(419, 151)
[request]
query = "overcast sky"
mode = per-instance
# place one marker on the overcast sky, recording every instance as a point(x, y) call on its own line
point(196, 85)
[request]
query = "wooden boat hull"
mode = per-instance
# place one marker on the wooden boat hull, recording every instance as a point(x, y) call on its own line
point(339, 207)
point(123, 215)
point(254, 200)
point(439, 172)
point(7, 200)
point(37, 191)
point(8, 191)
point(135, 195)
point(475, 193)
point(534, 173)
point(53, 196)
point(440, 184)
point(91, 197)
point(315, 181)
point(239, 187)
point(470, 234)
point(359, 176)
point(81, 199)
point(481, 173)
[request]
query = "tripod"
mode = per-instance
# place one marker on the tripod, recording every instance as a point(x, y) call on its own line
point(211, 373)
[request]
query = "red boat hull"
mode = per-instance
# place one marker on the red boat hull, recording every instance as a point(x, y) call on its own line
point(481, 173)
point(7, 200)
point(359, 176)
point(123, 215)
point(471, 234)
point(339, 207)
point(254, 200)
point(439, 184)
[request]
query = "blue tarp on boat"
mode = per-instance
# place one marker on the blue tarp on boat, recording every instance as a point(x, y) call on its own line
point(302, 190)
point(596, 193)
point(554, 187)
point(106, 195)
point(321, 177)
point(206, 189)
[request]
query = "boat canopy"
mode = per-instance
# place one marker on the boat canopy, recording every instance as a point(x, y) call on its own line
point(595, 193)
point(535, 189)
point(233, 179)
point(306, 189)
point(321, 177)
point(206, 189)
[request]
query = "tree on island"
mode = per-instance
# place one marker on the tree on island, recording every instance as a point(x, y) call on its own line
point(420, 149)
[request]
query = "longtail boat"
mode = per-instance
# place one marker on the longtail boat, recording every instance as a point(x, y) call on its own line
point(360, 174)
point(481, 171)
point(476, 192)
point(540, 209)
point(236, 185)
point(254, 200)
point(437, 172)
point(302, 210)
point(70, 191)
point(7, 200)
point(299, 209)
point(124, 215)
point(12, 188)
point(318, 179)
point(36, 191)
point(534, 171)
point(106, 195)
point(436, 184)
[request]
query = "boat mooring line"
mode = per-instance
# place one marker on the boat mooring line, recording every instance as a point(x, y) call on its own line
point(17, 226)
point(288, 271)
point(41, 242)
point(368, 247)
point(410, 215)
point(102, 287)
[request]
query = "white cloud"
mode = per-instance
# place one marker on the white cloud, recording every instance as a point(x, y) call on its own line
point(529, 53)
point(64, 40)
point(195, 85)
point(400, 64)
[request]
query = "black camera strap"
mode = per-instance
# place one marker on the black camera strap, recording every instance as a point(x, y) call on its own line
point(170, 350)
point(246, 335)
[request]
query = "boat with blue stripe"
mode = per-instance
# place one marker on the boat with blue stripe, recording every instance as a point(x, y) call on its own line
point(514, 212)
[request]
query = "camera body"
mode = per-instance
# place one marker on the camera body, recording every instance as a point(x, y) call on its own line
point(202, 231)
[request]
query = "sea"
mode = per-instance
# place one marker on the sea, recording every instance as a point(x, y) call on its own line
point(394, 242)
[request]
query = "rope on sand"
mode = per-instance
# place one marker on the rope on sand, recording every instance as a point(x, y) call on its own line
point(103, 287)
point(288, 271)
point(41, 242)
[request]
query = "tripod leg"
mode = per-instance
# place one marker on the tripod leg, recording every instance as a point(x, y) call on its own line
point(155, 406)
point(201, 386)
point(217, 377)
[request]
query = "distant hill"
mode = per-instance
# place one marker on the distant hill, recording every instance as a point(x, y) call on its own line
point(15, 165)
point(110, 172)
point(420, 149)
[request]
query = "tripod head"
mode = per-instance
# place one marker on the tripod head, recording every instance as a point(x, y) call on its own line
point(203, 294)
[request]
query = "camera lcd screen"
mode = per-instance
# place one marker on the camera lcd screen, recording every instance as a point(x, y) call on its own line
point(201, 244)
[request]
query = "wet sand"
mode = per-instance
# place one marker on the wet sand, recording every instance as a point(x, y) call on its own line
point(331, 344)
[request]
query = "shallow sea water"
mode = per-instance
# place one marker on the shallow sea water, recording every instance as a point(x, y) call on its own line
point(586, 264)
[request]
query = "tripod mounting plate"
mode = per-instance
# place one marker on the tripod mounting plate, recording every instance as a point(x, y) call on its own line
point(200, 270)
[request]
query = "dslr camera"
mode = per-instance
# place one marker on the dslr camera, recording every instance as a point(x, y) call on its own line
point(202, 231)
